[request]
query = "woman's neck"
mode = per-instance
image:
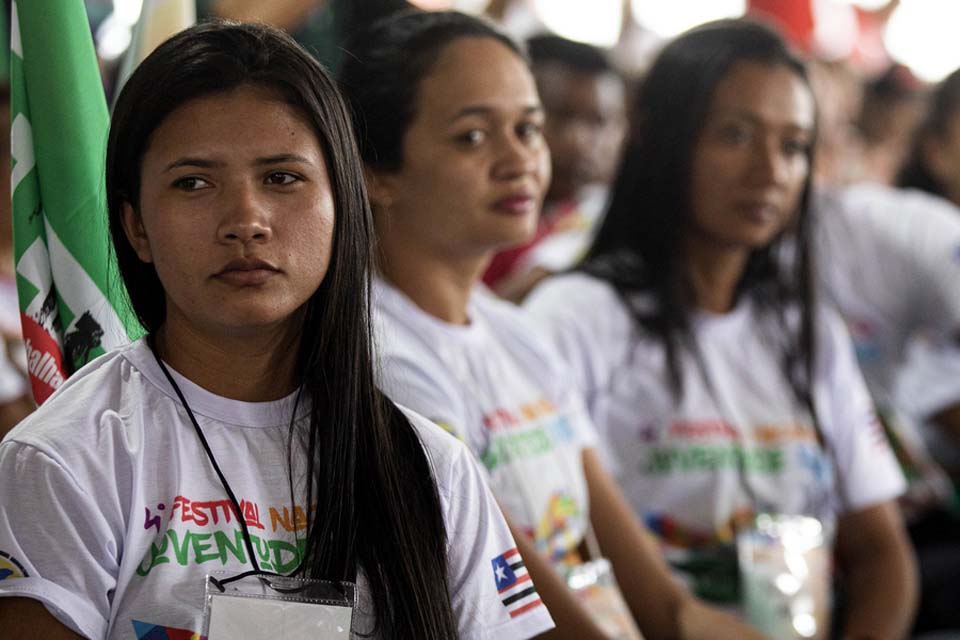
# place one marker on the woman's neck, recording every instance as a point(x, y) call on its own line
point(249, 367)
point(438, 284)
point(714, 273)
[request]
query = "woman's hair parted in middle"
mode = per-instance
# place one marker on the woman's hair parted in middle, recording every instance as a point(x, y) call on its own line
point(376, 502)
point(639, 245)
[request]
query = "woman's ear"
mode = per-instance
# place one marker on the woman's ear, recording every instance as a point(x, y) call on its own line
point(379, 188)
point(136, 234)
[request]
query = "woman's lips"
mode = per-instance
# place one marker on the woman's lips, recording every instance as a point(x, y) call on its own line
point(246, 277)
point(760, 212)
point(515, 205)
point(246, 272)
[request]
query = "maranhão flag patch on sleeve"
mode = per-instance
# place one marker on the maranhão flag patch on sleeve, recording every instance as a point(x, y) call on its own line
point(513, 584)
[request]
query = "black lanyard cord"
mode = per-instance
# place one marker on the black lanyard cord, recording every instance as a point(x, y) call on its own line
point(223, 480)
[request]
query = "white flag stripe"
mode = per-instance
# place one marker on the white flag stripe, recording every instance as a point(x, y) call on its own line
point(21, 150)
point(34, 267)
point(80, 292)
point(16, 44)
point(517, 588)
point(512, 558)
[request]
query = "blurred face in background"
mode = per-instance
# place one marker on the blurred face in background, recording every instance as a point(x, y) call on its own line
point(585, 123)
point(941, 155)
point(839, 149)
point(475, 166)
point(753, 156)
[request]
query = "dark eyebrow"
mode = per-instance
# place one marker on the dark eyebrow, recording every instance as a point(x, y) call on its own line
point(753, 119)
point(481, 110)
point(203, 163)
point(283, 157)
point(193, 162)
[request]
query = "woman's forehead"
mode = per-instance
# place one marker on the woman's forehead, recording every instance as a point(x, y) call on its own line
point(245, 121)
point(475, 71)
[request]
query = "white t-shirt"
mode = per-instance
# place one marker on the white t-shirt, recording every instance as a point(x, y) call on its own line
point(502, 389)
point(927, 384)
point(890, 261)
point(678, 461)
point(112, 515)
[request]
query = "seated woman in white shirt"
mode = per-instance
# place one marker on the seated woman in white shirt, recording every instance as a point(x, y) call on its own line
point(449, 125)
point(721, 387)
point(245, 434)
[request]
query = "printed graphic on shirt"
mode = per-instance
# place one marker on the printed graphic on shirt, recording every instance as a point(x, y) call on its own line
point(553, 535)
point(670, 531)
point(446, 426)
point(696, 446)
point(866, 337)
point(513, 584)
point(534, 429)
point(10, 568)
point(772, 457)
point(532, 453)
point(199, 543)
point(708, 560)
point(148, 631)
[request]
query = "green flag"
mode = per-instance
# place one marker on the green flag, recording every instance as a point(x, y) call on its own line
point(72, 305)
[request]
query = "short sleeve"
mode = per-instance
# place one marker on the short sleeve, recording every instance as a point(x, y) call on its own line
point(407, 383)
point(913, 240)
point(868, 471)
point(934, 246)
point(492, 594)
point(55, 544)
point(591, 328)
point(930, 381)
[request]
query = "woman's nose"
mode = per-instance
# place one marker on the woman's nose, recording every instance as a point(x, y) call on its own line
point(245, 217)
point(519, 157)
point(770, 163)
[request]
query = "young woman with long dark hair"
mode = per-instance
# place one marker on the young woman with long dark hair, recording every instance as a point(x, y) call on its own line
point(245, 432)
point(449, 125)
point(721, 386)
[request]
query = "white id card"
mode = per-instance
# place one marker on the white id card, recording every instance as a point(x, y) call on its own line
point(785, 568)
point(271, 607)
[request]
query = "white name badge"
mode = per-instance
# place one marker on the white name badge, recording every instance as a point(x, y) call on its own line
point(271, 607)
